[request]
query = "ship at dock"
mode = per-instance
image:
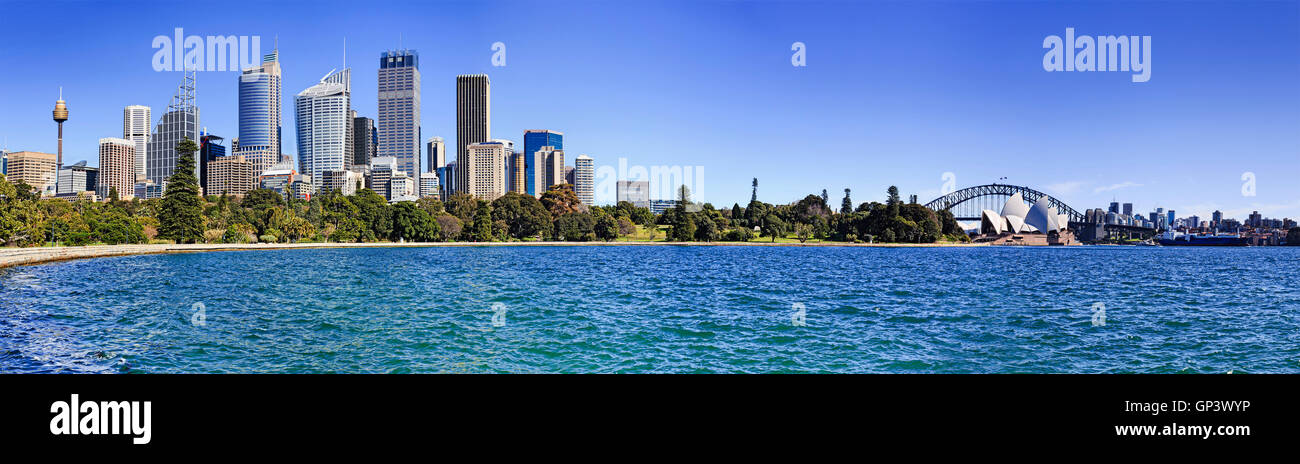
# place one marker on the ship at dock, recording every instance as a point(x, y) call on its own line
point(1172, 238)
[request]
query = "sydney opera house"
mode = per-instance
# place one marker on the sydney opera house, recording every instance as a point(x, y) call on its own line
point(1020, 224)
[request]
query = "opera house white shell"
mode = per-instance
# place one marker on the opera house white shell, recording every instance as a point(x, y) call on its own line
point(1017, 217)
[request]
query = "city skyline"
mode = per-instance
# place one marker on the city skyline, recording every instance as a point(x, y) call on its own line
point(1145, 143)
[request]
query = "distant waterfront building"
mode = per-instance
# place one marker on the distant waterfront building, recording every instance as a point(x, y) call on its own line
point(117, 168)
point(517, 177)
point(584, 179)
point(323, 124)
point(146, 190)
point(1216, 218)
point(447, 177)
point(4, 162)
point(283, 179)
point(1128, 209)
point(659, 206)
point(210, 148)
point(485, 170)
point(260, 92)
point(429, 185)
point(535, 166)
point(1114, 207)
point(1172, 219)
point(76, 179)
point(635, 192)
point(135, 127)
point(365, 141)
point(401, 188)
point(551, 162)
point(399, 108)
point(382, 171)
point(473, 123)
point(180, 122)
point(343, 180)
point(568, 176)
point(35, 168)
point(230, 175)
point(436, 151)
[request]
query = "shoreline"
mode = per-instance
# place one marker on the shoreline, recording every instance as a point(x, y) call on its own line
point(12, 257)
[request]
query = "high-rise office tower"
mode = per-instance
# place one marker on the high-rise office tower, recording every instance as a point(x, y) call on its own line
point(382, 171)
point(323, 122)
point(117, 167)
point(60, 115)
point(210, 149)
point(550, 162)
point(181, 121)
point(77, 178)
point(230, 175)
point(534, 167)
point(584, 179)
point(33, 168)
point(485, 169)
point(399, 108)
point(516, 167)
point(1114, 207)
point(436, 152)
point(1128, 209)
point(135, 127)
point(365, 139)
point(428, 185)
point(259, 113)
point(473, 121)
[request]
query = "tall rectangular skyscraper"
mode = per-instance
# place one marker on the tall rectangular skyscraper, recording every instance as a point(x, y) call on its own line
point(534, 168)
point(180, 122)
point(436, 151)
point(365, 140)
point(473, 122)
point(259, 113)
point(322, 114)
point(399, 108)
point(584, 179)
point(135, 127)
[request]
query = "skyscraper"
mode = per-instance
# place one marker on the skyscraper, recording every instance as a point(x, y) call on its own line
point(365, 140)
point(436, 151)
point(34, 168)
point(210, 148)
point(399, 108)
point(550, 162)
point(534, 167)
point(116, 167)
point(1128, 209)
point(259, 113)
point(181, 121)
point(473, 122)
point(516, 177)
point(584, 179)
point(485, 169)
point(135, 127)
point(323, 122)
point(77, 178)
point(229, 175)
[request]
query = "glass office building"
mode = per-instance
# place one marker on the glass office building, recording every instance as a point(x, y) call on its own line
point(534, 140)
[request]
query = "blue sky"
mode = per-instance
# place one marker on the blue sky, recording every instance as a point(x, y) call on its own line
point(893, 92)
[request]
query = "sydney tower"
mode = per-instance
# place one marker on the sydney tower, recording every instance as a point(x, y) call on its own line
point(60, 115)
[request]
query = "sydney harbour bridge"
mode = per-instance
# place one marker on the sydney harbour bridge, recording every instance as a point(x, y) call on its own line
point(967, 205)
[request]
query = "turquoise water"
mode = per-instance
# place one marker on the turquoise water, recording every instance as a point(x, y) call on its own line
point(659, 309)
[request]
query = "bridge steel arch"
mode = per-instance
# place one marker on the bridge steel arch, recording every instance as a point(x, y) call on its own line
point(947, 202)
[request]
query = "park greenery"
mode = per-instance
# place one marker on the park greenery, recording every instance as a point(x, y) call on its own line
point(182, 215)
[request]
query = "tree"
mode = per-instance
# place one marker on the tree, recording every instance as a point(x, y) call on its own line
point(706, 229)
point(575, 227)
point(803, 232)
point(413, 223)
point(523, 215)
point(753, 197)
point(481, 229)
point(560, 200)
point(181, 215)
point(826, 198)
point(113, 195)
point(606, 228)
point(375, 212)
point(773, 227)
point(846, 206)
point(625, 226)
point(449, 227)
point(894, 201)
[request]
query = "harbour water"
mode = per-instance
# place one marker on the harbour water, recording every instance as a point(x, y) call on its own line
point(660, 309)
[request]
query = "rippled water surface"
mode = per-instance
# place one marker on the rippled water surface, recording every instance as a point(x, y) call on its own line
point(659, 309)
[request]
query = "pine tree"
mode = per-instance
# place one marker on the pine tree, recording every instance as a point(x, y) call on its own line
point(180, 217)
point(846, 206)
point(754, 197)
